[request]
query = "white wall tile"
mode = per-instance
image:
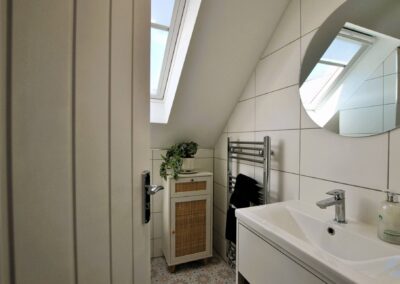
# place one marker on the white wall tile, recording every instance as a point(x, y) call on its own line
point(377, 73)
point(156, 153)
point(219, 221)
point(242, 118)
point(250, 89)
point(243, 136)
point(370, 93)
point(361, 121)
point(156, 201)
point(219, 244)
point(242, 168)
point(220, 171)
point(155, 174)
point(204, 153)
point(288, 28)
point(204, 164)
point(315, 12)
point(286, 147)
point(305, 42)
point(356, 161)
point(279, 70)
point(278, 110)
point(220, 201)
point(284, 186)
point(394, 169)
point(390, 63)
point(156, 246)
point(157, 225)
point(306, 121)
point(389, 116)
point(361, 204)
point(391, 89)
point(220, 150)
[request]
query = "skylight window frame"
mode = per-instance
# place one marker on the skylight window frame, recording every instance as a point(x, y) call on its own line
point(173, 34)
point(366, 41)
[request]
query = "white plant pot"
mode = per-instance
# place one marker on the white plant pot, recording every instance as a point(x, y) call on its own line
point(188, 164)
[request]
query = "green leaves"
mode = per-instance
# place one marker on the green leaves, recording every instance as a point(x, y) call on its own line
point(172, 161)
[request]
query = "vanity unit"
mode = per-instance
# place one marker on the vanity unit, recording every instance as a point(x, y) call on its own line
point(296, 242)
point(187, 218)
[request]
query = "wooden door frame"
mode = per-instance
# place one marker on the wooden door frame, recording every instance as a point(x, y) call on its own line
point(141, 152)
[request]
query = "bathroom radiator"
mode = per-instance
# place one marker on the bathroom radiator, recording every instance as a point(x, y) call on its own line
point(259, 153)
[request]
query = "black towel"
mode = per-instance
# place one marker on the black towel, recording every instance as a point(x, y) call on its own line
point(246, 191)
point(230, 231)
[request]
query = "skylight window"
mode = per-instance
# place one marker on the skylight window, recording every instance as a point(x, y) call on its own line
point(166, 16)
point(172, 25)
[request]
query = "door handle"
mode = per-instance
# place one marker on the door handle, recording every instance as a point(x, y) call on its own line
point(153, 189)
point(148, 190)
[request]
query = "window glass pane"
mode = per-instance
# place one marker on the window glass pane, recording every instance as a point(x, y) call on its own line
point(158, 43)
point(161, 11)
point(342, 50)
point(321, 78)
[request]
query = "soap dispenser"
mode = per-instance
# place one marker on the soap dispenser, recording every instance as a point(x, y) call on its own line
point(389, 219)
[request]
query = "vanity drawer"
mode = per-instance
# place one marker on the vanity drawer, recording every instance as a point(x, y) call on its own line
point(259, 262)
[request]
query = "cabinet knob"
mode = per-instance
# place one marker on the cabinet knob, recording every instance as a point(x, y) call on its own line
point(192, 180)
point(173, 232)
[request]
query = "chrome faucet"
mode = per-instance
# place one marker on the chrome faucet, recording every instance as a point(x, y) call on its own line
point(338, 200)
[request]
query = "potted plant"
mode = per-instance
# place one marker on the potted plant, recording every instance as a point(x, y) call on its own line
point(179, 157)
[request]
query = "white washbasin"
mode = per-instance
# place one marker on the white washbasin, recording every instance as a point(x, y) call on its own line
point(352, 254)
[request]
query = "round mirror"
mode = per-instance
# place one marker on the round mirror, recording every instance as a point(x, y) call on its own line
point(350, 72)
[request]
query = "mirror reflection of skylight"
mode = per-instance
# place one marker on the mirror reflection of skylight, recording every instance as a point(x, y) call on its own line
point(321, 78)
point(161, 11)
point(342, 50)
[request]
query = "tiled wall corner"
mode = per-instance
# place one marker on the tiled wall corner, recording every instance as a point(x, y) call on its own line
point(307, 161)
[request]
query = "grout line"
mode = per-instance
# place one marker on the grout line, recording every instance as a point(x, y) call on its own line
point(219, 184)
point(276, 90)
point(370, 106)
point(219, 208)
point(343, 183)
point(279, 49)
point(267, 93)
point(291, 42)
point(318, 178)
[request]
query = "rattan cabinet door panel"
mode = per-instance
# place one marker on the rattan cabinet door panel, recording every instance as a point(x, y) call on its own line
point(191, 223)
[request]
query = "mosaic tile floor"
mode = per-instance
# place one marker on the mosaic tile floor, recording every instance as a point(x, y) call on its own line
point(216, 271)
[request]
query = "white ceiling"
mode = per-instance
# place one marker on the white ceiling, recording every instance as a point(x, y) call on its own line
point(227, 42)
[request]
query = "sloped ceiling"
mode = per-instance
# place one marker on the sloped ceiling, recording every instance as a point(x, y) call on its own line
point(228, 39)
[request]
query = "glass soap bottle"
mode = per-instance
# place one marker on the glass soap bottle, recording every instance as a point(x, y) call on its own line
point(389, 219)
